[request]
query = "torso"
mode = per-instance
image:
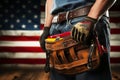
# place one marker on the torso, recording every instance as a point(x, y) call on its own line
point(65, 5)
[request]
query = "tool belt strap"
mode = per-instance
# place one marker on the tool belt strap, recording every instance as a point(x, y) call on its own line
point(71, 14)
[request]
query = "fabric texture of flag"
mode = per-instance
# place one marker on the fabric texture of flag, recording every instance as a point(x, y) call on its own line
point(20, 31)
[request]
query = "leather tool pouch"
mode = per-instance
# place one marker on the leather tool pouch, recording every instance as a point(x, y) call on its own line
point(70, 57)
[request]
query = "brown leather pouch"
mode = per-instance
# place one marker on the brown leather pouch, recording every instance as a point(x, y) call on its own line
point(70, 57)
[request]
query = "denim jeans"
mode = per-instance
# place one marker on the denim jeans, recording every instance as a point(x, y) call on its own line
point(103, 72)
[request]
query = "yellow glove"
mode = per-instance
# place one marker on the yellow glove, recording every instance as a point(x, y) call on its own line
point(81, 30)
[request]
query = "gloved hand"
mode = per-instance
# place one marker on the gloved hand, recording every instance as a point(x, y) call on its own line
point(44, 35)
point(82, 30)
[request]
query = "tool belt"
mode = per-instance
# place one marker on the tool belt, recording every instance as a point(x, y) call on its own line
point(70, 57)
point(71, 14)
point(80, 11)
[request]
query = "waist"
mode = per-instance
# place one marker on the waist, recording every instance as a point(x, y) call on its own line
point(73, 14)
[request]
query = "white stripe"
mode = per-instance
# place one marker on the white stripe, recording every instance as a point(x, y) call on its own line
point(23, 55)
point(114, 13)
point(115, 67)
point(36, 43)
point(42, 15)
point(39, 55)
point(114, 25)
point(19, 43)
point(115, 37)
point(42, 18)
point(42, 21)
point(35, 32)
point(115, 43)
point(21, 32)
point(115, 54)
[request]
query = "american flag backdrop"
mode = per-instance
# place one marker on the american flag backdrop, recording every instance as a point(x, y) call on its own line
point(19, 32)
point(21, 23)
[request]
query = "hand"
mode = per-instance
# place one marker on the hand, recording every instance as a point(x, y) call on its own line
point(44, 35)
point(82, 30)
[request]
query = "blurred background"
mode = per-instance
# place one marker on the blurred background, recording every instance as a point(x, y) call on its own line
point(21, 24)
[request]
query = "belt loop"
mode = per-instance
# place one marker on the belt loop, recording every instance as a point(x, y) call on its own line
point(67, 15)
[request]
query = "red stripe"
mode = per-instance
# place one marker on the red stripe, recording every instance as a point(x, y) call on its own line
point(115, 48)
point(42, 8)
point(21, 61)
point(37, 61)
point(20, 49)
point(41, 26)
point(115, 19)
point(115, 60)
point(115, 7)
point(19, 38)
point(38, 49)
point(115, 31)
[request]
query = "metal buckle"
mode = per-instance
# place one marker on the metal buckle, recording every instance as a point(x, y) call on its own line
point(55, 19)
point(68, 21)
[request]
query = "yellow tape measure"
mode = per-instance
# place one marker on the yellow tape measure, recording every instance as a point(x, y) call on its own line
point(51, 40)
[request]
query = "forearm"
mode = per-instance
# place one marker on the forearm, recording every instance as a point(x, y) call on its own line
point(100, 7)
point(48, 16)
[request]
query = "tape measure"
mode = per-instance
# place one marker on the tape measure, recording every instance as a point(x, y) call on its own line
point(52, 40)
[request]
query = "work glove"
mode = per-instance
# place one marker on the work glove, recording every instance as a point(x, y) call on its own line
point(44, 35)
point(82, 30)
